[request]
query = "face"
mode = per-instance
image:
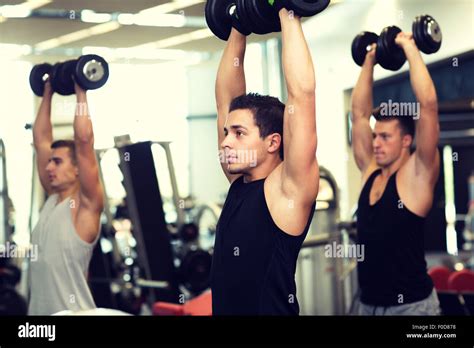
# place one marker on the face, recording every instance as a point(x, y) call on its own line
point(388, 142)
point(62, 173)
point(243, 147)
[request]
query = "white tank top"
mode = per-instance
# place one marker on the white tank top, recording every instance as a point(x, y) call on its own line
point(58, 278)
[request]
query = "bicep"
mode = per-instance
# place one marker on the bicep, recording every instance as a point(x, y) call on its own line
point(362, 143)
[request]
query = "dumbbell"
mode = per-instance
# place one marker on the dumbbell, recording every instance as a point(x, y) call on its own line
point(89, 71)
point(221, 16)
point(255, 16)
point(262, 15)
point(426, 33)
point(38, 77)
point(195, 268)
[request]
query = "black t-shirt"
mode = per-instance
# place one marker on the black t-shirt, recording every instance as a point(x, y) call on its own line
point(393, 271)
point(254, 262)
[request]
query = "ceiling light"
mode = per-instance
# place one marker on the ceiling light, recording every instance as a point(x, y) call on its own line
point(22, 10)
point(10, 51)
point(161, 20)
point(126, 18)
point(178, 39)
point(89, 16)
point(15, 11)
point(77, 35)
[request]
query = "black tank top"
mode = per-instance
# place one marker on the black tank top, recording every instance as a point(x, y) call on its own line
point(394, 269)
point(254, 262)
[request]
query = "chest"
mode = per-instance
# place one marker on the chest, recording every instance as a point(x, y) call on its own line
point(377, 190)
point(244, 232)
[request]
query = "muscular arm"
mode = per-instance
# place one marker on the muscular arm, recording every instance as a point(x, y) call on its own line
point(300, 173)
point(427, 126)
point(230, 83)
point(91, 192)
point(361, 110)
point(43, 136)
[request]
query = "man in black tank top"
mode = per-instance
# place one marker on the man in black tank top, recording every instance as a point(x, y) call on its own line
point(274, 183)
point(397, 191)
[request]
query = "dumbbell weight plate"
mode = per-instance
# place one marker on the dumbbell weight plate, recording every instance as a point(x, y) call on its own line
point(361, 44)
point(388, 54)
point(91, 71)
point(427, 34)
point(56, 80)
point(66, 70)
point(306, 8)
point(195, 270)
point(264, 15)
point(258, 27)
point(37, 75)
point(433, 32)
point(244, 16)
point(218, 18)
point(238, 24)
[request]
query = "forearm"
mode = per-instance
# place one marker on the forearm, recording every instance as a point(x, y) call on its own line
point(420, 78)
point(82, 121)
point(42, 128)
point(230, 81)
point(362, 97)
point(297, 63)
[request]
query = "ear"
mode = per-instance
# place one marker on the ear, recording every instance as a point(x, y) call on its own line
point(274, 142)
point(76, 170)
point(407, 139)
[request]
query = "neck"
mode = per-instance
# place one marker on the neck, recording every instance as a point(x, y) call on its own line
point(394, 166)
point(68, 192)
point(263, 170)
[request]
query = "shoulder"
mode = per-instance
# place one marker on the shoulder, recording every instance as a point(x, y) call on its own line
point(51, 200)
point(371, 169)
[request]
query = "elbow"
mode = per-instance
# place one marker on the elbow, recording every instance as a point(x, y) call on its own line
point(302, 91)
point(429, 102)
point(357, 113)
point(86, 137)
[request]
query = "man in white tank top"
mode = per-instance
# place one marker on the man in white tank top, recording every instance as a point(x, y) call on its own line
point(68, 227)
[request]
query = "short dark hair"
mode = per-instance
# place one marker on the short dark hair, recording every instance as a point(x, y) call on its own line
point(406, 123)
point(70, 145)
point(267, 112)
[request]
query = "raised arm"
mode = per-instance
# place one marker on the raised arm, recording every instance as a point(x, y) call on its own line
point(300, 174)
point(230, 83)
point(43, 136)
point(427, 125)
point(361, 110)
point(91, 191)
